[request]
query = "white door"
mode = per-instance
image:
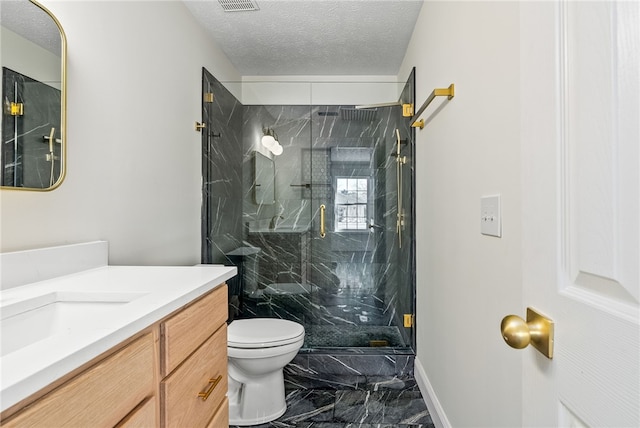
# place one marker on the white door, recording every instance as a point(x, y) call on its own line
point(581, 191)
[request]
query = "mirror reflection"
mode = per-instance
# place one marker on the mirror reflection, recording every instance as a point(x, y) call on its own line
point(264, 172)
point(33, 98)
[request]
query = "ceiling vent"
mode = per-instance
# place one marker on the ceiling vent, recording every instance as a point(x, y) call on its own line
point(238, 5)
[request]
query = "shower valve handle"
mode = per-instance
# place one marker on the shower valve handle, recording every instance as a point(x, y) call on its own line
point(322, 230)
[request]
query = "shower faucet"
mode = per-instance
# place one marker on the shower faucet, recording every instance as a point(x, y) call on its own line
point(274, 220)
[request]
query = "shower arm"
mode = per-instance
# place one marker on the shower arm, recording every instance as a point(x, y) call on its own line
point(392, 104)
point(407, 108)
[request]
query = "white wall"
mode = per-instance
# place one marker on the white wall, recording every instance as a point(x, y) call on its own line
point(470, 147)
point(134, 173)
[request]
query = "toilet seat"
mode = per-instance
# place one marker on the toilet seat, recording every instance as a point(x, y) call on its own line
point(263, 333)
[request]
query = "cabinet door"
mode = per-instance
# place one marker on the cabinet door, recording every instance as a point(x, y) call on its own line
point(221, 418)
point(144, 416)
point(185, 331)
point(203, 372)
point(101, 396)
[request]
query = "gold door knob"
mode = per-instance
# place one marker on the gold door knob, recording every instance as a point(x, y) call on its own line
point(537, 330)
point(515, 332)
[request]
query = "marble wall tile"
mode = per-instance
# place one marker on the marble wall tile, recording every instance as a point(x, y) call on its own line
point(351, 365)
point(24, 162)
point(405, 365)
point(222, 229)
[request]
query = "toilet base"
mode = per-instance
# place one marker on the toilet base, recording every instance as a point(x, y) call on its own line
point(257, 402)
point(234, 420)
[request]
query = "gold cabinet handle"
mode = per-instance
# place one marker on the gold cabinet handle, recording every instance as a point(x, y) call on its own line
point(213, 383)
point(322, 231)
point(537, 330)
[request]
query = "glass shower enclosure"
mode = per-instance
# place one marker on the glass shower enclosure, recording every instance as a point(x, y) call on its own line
point(322, 231)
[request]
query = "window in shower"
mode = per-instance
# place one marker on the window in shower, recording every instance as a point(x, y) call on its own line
point(351, 202)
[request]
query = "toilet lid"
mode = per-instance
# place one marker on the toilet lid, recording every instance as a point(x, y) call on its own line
point(263, 333)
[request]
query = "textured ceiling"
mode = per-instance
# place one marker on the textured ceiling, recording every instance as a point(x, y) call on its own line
point(31, 22)
point(312, 37)
point(283, 37)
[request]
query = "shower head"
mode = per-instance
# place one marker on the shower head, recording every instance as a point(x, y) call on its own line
point(358, 114)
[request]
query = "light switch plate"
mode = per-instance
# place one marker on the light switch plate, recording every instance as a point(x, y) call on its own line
point(490, 217)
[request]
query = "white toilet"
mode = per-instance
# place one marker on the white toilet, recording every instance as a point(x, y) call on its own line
point(258, 350)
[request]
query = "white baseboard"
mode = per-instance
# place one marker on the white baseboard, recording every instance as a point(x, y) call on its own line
point(435, 409)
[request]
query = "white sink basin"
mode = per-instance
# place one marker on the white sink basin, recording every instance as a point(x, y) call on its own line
point(31, 320)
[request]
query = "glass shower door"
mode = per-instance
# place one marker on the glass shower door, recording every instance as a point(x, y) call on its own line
point(361, 267)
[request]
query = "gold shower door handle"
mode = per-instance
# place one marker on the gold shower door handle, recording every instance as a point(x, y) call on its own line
point(537, 330)
point(322, 210)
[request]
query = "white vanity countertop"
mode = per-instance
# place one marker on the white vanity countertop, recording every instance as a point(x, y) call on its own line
point(155, 292)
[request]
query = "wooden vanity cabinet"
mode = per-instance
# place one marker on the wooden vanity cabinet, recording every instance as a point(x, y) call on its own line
point(193, 357)
point(143, 416)
point(100, 396)
point(153, 380)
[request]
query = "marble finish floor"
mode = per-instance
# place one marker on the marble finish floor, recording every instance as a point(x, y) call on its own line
point(374, 402)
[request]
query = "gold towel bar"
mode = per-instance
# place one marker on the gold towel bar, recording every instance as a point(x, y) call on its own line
point(438, 92)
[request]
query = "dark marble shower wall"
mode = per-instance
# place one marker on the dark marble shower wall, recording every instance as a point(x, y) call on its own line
point(222, 159)
point(347, 288)
point(25, 164)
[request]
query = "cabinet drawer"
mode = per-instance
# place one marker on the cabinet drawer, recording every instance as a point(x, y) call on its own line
point(182, 407)
point(100, 396)
point(144, 416)
point(221, 418)
point(184, 332)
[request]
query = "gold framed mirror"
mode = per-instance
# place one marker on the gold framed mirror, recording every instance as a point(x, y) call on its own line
point(33, 122)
